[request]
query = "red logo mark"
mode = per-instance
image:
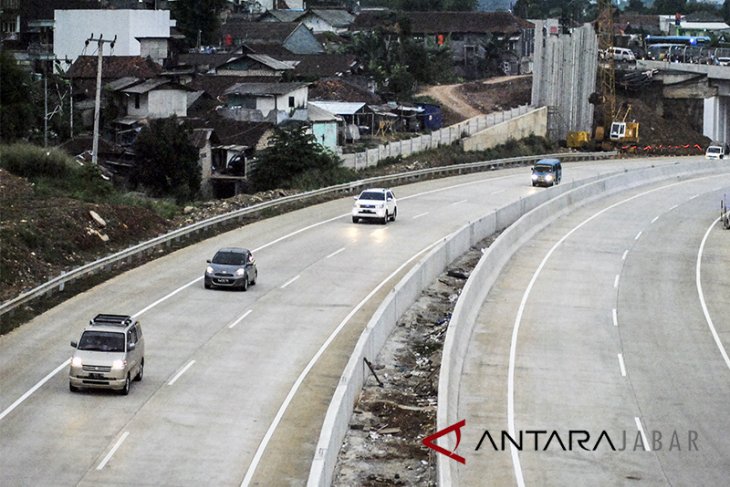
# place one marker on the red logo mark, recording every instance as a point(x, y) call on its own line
point(429, 441)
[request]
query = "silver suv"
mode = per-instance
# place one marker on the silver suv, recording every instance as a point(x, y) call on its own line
point(377, 203)
point(109, 355)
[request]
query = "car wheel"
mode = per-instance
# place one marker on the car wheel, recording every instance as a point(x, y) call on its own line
point(355, 219)
point(72, 387)
point(255, 278)
point(385, 218)
point(125, 389)
point(395, 213)
point(140, 373)
point(244, 286)
point(207, 285)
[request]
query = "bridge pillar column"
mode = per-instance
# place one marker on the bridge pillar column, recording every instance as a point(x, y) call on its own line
point(716, 122)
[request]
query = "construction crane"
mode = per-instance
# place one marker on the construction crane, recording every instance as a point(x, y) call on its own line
point(611, 127)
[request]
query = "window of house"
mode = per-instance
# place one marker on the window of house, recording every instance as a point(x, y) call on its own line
point(136, 100)
point(291, 102)
point(10, 26)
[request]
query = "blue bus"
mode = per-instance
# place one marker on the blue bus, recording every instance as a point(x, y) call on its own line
point(680, 40)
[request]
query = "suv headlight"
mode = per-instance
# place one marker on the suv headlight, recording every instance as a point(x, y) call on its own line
point(119, 365)
point(209, 270)
point(534, 177)
point(76, 362)
point(549, 177)
point(240, 271)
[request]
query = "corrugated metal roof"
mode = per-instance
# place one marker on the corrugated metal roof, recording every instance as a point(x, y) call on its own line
point(263, 89)
point(339, 107)
point(121, 83)
point(270, 61)
point(317, 114)
point(334, 17)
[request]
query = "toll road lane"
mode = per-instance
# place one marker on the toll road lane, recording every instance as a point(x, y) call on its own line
point(611, 338)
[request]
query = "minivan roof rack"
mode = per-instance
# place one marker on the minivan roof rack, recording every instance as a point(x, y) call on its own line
point(109, 319)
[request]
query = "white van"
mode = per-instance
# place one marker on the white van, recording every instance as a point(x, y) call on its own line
point(717, 151)
point(621, 54)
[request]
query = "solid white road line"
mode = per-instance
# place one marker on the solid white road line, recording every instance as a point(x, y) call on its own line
point(647, 447)
point(621, 364)
point(698, 279)
point(25, 396)
point(295, 387)
point(336, 252)
point(240, 319)
point(182, 371)
point(290, 281)
point(521, 309)
point(113, 450)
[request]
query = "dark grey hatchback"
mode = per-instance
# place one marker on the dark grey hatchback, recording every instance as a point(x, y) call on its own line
point(232, 267)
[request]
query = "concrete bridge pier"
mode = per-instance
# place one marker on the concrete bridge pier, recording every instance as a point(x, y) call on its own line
point(716, 120)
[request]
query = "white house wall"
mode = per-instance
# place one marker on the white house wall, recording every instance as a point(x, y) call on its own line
point(74, 27)
point(281, 102)
point(165, 103)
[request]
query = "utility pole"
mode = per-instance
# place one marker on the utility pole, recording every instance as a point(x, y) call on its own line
point(97, 106)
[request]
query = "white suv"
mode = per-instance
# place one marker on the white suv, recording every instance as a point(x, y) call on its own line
point(377, 203)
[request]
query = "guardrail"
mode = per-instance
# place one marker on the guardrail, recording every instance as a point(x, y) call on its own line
point(108, 263)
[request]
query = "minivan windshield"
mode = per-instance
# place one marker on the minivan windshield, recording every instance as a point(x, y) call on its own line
point(541, 168)
point(714, 150)
point(102, 341)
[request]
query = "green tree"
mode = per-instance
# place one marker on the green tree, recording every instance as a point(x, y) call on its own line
point(635, 6)
point(17, 111)
point(293, 155)
point(668, 7)
point(198, 17)
point(167, 160)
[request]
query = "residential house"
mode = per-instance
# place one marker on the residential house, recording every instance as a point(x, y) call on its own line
point(327, 20)
point(82, 72)
point(280, 16)
point(294, 37)
point(357, 118)
point(468, 34)
point(324, 126)
point(272, 102)
point(274, 5)
point(259, 65)
point(156, 98)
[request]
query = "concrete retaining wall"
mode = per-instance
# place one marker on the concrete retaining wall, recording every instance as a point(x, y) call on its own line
point(530, 216)
point(532, 123)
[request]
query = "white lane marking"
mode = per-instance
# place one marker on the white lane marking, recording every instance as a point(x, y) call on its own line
point(621, 364)
point(336, 252)
point(283, 237)
point(693, 197)
point(147, 308)
point(674, 207)
point(290, 281)
point(655, 219)
point(647, 447)
point(182, 371)
point(615, 317)
point(295, 387)
point(240, 319)
point(497, 192)
point(626, 253)
point(638, 235)
point(517, 467)
point(25, 396)
point(458, 202)
point(615, 281)
point(113, 450)
point(420, 215)
point(698, 279)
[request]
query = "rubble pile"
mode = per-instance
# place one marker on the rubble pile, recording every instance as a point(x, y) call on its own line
point(397, 406)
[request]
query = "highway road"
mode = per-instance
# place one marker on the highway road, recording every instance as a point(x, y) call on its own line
point(612, 324)
point(236, 384)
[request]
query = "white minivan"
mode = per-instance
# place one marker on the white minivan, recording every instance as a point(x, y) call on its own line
point(621, 54)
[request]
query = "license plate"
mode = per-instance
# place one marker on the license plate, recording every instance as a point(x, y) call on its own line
point(96, 376)
point(224, 281)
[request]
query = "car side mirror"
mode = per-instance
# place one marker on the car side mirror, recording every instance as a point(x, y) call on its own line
point(131, 346)
point(208, 261)
point(74, 345)
point(354, 198)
